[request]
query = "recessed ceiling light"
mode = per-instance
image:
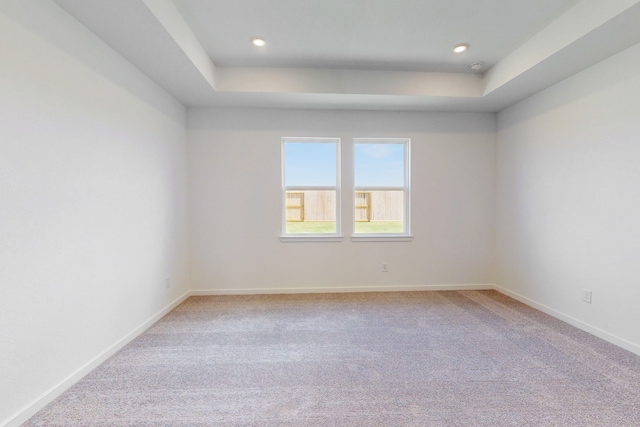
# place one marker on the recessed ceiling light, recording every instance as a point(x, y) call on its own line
point(476, 66)
point(462, 47)
point(258, 41)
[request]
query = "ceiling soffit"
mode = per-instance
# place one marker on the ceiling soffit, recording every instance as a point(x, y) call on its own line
point(155, 37)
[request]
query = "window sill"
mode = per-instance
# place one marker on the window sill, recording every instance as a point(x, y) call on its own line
point(311, 238)
point(382, 238)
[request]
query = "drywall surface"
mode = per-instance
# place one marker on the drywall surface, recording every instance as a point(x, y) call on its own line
point(92, 200)
point(235, 202)
point(568, 197)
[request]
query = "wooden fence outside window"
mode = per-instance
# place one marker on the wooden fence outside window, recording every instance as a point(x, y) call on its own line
point(321, 206)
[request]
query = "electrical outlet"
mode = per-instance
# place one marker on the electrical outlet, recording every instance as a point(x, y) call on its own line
point(385, 267)
point(167, 282)
point(586, 296)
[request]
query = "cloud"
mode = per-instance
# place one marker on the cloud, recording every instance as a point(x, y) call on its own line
point(378, 151)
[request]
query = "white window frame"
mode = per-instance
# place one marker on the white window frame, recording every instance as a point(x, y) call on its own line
point(406, 189)
point(308, 237)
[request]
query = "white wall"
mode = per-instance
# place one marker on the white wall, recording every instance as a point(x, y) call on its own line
point(92, 200)
point(568, 198)
point(235, 213)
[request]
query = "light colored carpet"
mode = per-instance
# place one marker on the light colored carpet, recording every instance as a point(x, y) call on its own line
point(459, 358)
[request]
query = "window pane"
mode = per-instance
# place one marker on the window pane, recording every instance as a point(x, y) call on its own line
point(310, 164)
point(311, 212)
point(379, 165)
point(379, 212)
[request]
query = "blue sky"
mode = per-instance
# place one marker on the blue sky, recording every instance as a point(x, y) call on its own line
point(379, 165)
point(310, 164)
point(314, 164)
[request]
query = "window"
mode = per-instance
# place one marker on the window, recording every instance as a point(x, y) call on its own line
point(381, 187)
point(311, 187)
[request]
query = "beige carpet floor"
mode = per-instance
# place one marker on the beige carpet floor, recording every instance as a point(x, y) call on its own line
point(458, 358)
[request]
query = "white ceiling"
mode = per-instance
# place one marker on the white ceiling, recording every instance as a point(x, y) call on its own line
point(408, 35)
point(360, 54)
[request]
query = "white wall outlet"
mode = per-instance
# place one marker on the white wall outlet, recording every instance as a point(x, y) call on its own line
point(167, 282)
point(586, 296)
point(385, 267)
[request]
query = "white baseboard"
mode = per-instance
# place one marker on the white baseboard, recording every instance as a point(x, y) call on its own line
point(32, 408)
point(613, 339)
point(342, 289)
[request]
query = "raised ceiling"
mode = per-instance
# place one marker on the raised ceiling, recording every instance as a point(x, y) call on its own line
point(360, 54)
point(409, 35)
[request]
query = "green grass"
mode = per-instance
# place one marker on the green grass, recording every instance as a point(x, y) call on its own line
point(379, 227)
point(311, 227)
point(321, 227)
